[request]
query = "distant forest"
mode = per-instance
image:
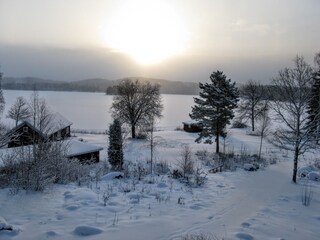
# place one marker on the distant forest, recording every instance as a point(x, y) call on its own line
point(94, 85)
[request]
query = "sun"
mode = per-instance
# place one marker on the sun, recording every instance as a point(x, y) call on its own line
point(148, 31)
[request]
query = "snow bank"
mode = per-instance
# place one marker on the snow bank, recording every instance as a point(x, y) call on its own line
point(314, 176)
point(4, 225)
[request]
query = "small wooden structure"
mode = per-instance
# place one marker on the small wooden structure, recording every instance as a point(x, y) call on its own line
point(57, 128)
point(84, 152)
point(192, 126)
point(24, 134)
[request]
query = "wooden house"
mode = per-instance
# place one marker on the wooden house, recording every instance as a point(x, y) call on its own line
point(56, 128)
point(192, 126)
point(24, 134)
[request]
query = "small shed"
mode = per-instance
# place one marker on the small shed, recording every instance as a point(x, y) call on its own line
point(192, 126)
point(85, 152)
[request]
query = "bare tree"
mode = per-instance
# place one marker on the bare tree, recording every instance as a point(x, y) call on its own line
point(137, 103)
point(251, 105)
point(185, 163)
point(264, 125)
point(19, 111)
point(40, 112)
point(294, 85)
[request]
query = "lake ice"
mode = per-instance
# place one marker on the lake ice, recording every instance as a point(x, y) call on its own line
point(92, 110)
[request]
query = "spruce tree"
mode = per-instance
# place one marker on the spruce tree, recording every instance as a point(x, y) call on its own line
point(314, 106)
point(214, 108)
point(115, 151)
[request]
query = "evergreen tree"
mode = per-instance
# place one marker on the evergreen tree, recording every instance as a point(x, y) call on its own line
point(2, 101)
point(314, 106)
point(214, 108)
point(115, 151)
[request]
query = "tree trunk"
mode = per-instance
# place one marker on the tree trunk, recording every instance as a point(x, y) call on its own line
point(217, 143)
point(260, 148)
point(295, 164)
point(252, 119)
point(133, 131)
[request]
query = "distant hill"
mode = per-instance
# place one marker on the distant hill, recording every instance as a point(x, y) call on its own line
point(94, 85)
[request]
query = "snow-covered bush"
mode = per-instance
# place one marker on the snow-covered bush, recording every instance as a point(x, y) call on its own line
point(4, 226)
point(35, 167)
point(162, 167)
point(185, 163)
point(304, 171)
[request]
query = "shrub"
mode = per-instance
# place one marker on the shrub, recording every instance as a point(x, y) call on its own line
point(185, 164)
point(37, 166)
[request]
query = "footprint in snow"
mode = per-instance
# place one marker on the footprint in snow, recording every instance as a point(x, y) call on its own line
point(245, 224)
point(244, 236)
point(86, 231)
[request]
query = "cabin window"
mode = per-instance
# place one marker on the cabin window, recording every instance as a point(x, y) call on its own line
point(67, 130)
point(25, 129)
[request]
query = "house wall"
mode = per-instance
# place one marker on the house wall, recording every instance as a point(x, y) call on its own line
point(191, 128)
point(64, 133)
point(21, 138)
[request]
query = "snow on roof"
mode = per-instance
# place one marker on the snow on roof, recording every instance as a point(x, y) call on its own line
point(56, 123)
point(76, 148)
point(191, 122)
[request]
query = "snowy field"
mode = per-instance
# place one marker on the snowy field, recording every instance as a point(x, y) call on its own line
point(262, 204)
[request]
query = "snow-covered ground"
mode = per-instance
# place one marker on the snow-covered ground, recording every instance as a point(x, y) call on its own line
point(264, 204)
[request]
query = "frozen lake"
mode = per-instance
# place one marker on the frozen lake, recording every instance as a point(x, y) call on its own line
point(92, 110)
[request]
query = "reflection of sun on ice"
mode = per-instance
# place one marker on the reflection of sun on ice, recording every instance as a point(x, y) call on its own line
point(149, 31)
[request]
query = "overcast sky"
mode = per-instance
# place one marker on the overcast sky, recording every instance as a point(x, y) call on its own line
point(184, 40)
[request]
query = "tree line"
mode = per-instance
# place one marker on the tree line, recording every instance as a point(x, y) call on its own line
point(293, 96)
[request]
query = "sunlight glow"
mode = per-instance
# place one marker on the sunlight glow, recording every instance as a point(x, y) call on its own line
point(148, 31)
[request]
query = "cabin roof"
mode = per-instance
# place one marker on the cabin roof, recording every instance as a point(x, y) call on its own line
point(76, 148)
point(56, 122)
point(191, 122)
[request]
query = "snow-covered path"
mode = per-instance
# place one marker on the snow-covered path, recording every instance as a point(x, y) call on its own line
point(221, 214)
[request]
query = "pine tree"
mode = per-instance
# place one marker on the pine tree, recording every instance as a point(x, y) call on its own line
point(115, 151)
point(314, 106)
point(214, 108)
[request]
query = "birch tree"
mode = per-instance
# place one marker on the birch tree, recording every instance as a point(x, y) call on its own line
point(293, 131)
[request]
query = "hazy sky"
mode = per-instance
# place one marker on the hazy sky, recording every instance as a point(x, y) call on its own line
point(183, 40)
